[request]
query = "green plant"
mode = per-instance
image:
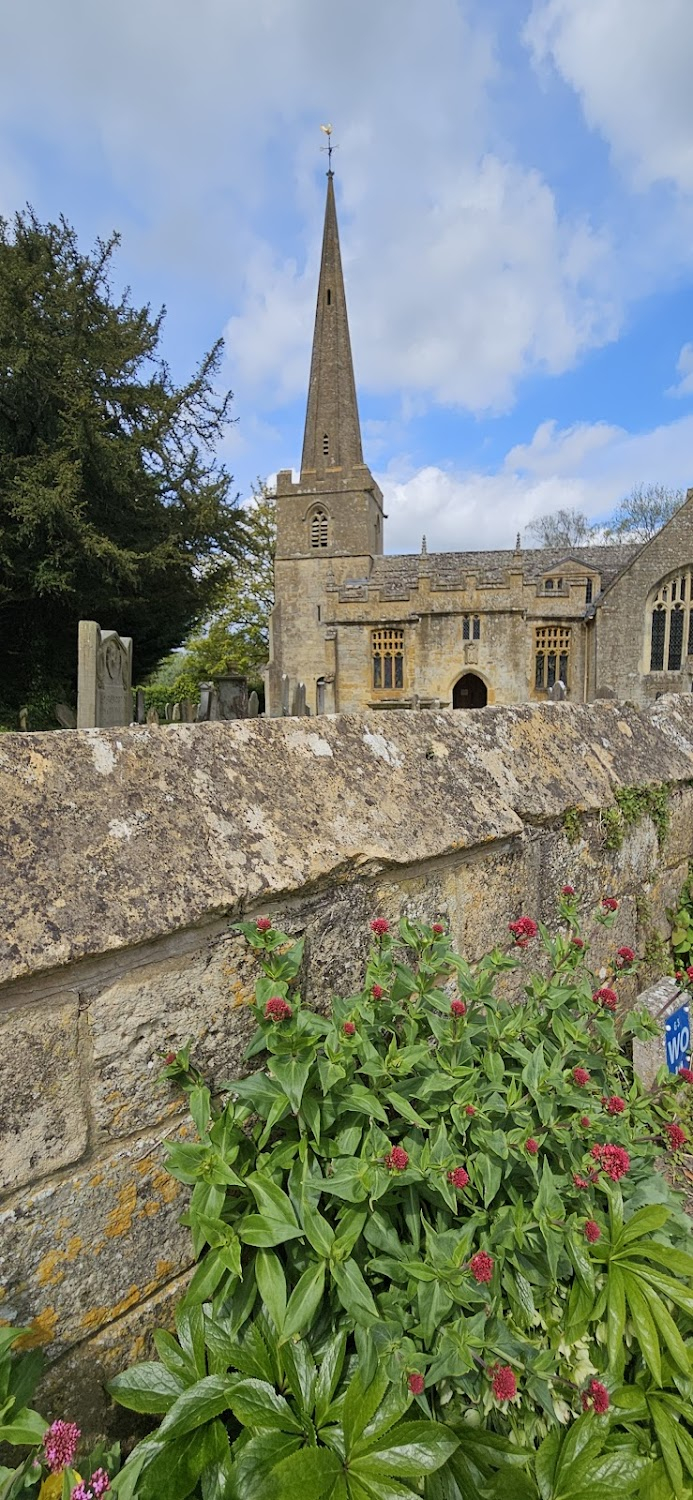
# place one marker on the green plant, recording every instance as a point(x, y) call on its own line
point(681, 919)
point(418, 1175)
point(632, 804)
point(571, 824)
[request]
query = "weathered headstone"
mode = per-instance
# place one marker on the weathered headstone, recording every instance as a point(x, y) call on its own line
point(23, 719)
point(232, 690)
point(104, 680)
point(558, 692)
point(140, 709)
point(66, 716)
point(669, 1007)
point(188, 711)
point(176, 715)
point(253, 705)
point(152, 716)
point(208, 706)
point(298, 705)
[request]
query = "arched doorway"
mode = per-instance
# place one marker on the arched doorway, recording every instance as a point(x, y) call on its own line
point(469, 692)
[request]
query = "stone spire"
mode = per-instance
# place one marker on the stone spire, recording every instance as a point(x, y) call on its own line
point(332, 437)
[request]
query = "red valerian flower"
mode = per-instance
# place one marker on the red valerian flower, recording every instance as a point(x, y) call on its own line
point(606, 997)
point(481, 1266)
point(397, 1159)
point(169, 1058)
point(689, 972)
point(377, 992)
point(686, 1074)
point(531, 1146)
point(624, 956)
point(277, 1009)
point(416, 1384)
point(677, 974)
point(614, 1105)
point(577, 942)
point(458, 1177)
point(677, 1136)
point(613, 1160)
point(580, 1182)
point(60, 1444)
point(263, 924)
point(592, 1231)
point(349, 1028)
point(469, 1109)
point(595, 1398)
point(585, 1122)
point(609, 903)
point(458, 1008)
point(438, 928)
point(567, 890)
point(581, 1077)
point(504, 1383)
point(380, 926)
point(522, 930)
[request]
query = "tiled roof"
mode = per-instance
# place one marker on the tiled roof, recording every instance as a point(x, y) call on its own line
point(393, 574)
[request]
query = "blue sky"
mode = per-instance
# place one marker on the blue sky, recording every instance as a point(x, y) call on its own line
point(515, 192)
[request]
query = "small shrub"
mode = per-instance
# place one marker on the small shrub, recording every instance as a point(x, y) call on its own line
point(431, 1207)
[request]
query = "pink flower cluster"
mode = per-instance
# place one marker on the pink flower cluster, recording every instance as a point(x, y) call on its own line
point(504, 1383)
point(349, 1028)
point(606, 997)
point(263, 924)
point(613, 1160)
point(481, 1266)
point(531, 1146)
point(614, 1105)
point(624, 957)
point(438, 929)
point(522, 930)
point(458, 1177)
point(595, 1398)
point(397, 1159)
point(416, 1383)
point(686, 1074)
point(581, 1077)
point(377, 992)
point(609, 903)
point(592, 1231)
point(567, 890)
point(380, 926)
point(277, 1009)
point(458, 1008)
point(677, 1136)
point(94, 1489)
point(60, 1445)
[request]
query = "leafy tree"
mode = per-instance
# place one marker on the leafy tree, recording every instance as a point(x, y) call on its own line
point(644, 512)
point(237, 635)
point(563, 528)
point(112, 505)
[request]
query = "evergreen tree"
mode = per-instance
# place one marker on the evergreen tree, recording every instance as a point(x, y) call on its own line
point(112, 505)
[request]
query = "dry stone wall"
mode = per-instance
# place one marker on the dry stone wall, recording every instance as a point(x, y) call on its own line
point(127, 857)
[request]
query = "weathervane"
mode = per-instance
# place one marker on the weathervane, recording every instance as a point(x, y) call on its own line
point(329, 148)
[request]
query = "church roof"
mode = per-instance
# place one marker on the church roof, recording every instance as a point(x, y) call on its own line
point(332, 433)
point(448, 569)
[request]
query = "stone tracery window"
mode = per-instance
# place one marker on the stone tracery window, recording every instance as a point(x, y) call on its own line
point(387, 651)
point(551, 656)
point(671, 625)
point(471, 627)
point(319, 528)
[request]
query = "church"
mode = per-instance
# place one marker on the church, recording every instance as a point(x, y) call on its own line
point(364, 630)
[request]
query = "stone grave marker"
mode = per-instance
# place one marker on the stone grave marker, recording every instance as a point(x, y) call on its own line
point(232, 690)
point(253, 705)
point(298, 705)
point(286, 695)
point(104, 679)
point(66, 716)
point(669, 1006)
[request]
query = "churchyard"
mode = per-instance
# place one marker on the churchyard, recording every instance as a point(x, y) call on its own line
point(345, 1103)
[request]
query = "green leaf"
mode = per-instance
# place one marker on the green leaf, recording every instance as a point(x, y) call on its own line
point(190, 1327)
point(256, 1459)
point(206, 1278)
point(306, 1475)
point(146, 1388)
point(360, 1405)
point(276, 1221)
point(177, 1466)
point(319, 1234)
point(407, 1451)
point(292, 1074)
point(200, 1107)
point(665, 1429)
point(546, 1462)
point(405, 1110)
point(272, 1286)
point(615, 1316)
point(207, 1399)
point(353, 1292)
point(255, 1403)
point(646, 1221)
point(304, 1301)
point(328, 1375)
point(667, 1328)
point(361, 1099)
point(645, 1330)
point(26, 1426)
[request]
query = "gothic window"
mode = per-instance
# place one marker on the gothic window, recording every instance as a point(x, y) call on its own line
point(387, 648)
point(551, 656)
point(670, 628)
point(471, 627)
point(588, 591)
point(318, 529)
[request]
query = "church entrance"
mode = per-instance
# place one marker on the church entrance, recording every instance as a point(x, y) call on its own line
point(469, 692)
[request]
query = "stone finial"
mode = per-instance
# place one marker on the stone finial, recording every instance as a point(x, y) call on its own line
point(518, 542)
point(424, 548)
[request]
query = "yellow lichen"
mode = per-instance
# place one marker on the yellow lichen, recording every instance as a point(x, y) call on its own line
point(119, 1220)
point(47, 1272)
point(41, 1330)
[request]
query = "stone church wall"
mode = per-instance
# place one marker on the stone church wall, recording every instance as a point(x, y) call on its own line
point(127, 856)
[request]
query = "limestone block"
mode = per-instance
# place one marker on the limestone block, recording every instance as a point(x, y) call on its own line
point(43, 1124)
point(661, 1000)
point(79, 1253)
point(678, 840)
point(157, 1009)
point(73, 1386)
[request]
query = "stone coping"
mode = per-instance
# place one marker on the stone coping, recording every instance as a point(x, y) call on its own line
point(110, 838)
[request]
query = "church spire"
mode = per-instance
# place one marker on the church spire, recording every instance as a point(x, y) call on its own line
point(332, 437)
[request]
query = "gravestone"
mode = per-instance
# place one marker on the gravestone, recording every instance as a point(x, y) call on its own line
point(152, 716)
point(558, 692)
point(669, 1006)
point(140, 709)
point(208, 706)
point(253, 705)
point(66, 716)
point(188, 711)
point(232, 690)
point(104, 678)
point(176, 715)
point(298, 705)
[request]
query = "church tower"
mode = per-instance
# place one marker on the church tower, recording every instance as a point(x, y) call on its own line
point(329, 523)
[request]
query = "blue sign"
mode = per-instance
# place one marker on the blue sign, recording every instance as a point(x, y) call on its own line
point(677, 1039)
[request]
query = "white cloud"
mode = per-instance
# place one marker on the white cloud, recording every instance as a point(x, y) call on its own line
point(684, 366)
point(586, 467)
point(630, 63)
